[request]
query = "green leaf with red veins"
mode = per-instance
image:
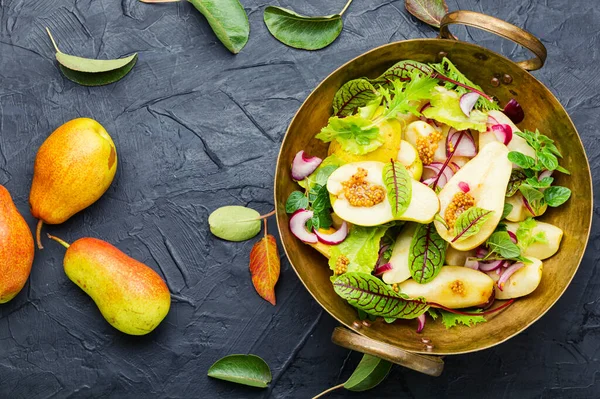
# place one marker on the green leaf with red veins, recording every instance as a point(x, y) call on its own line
point(469, 222)
point(399, 187)
point(427, 253)
point(429, 11)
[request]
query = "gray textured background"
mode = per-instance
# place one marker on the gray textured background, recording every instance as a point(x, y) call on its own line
point(197, 128)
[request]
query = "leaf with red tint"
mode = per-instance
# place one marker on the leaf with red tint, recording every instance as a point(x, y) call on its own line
point(429, 11)
point(265, 267)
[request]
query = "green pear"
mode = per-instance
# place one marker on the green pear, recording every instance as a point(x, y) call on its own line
point(132, 297)
point(399, 259)
point(16, 248)
point(73, 168)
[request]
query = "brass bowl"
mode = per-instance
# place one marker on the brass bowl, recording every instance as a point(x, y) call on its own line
point(399, 342)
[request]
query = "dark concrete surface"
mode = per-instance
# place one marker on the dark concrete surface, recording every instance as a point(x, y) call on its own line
point(197, 128)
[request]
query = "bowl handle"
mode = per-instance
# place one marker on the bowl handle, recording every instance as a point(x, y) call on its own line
point(500, 28)
point(430, 365)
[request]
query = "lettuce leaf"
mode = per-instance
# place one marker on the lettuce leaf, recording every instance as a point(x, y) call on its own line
point(525, 236)
point(445, 108)
point(452, 319)
point(356, 135)
point(405, 96)
point(361, 248)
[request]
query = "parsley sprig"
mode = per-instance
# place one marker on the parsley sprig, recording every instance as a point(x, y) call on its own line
point(538, 191)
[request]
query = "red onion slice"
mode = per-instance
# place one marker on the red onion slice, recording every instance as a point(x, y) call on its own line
point(481, 252)
point(467, 102)
point(526, 203)
point(466, 147)
point(490, 266)
point(513, 236)
point(379, 270)
point(454, 166)
point(298, 226)
point(492, 120)
point(421, 320)
point(508, 273)
point(303, 165)
point(503, 133)
point(333, 238)
point(472, 263)
point(464, 186)
point(514, 111)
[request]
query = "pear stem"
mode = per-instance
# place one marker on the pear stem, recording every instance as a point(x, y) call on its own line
point(52, 39)
point(38, 234)
point(58, 240)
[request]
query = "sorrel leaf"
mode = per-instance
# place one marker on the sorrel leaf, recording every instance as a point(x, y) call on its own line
point(234, 223)
point(353, 95)
point(399, 186)
point(265, 267)
point(402, 71)
point(300, 31)
point(369, 373)
point(92, 72)
point(427, 253)
point(429, 11)
point(469, 222)
point(368, 293)
point(242, 369)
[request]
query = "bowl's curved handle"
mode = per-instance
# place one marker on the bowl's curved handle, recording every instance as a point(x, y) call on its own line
point(430, 365)
point(500, 28)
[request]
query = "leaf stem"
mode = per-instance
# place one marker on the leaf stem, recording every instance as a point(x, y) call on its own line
point(325, 392)
point(345, 7)
point(268, 215)
point(265, 223)
point(52, 39)
point(499, 308)
point(439, 76)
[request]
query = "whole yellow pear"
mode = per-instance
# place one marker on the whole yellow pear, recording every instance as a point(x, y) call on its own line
point(73, 168)
point(132, 297)
point(16, 248)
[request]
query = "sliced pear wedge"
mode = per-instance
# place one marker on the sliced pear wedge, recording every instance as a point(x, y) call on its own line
point(455, 287)
point(541, 250)
point(487, 176)
point(409, 157)
point(517, 143)
point(419, 129)
point(523, 282)
point(399, 258)
point(456, 257)
point(422, 207)
point(519, 211)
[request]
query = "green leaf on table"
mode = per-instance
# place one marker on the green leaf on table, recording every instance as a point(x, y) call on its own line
point(369, 373)
point(300, 31)
point(227, 18)
point(429, 11)
point(556, 195)
point(356, 135)
point(427, 253)
point(92, 72)
point(297, 200)
point(360, 248)
point(398, 184)
point(367, 292)
point(469, 222)
point(353, 95)
point(242, 369)
point(234, 223)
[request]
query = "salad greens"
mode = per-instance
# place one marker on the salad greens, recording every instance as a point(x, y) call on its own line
point(360, 248)
point(525, 235)
point(454, 319)
point(427, 253)
point(445, 108)
point(353, 95)
point(399, 187)
point(469, 222)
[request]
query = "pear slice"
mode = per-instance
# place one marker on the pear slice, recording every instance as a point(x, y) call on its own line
point(517, 143)
point(409, 157)
point(399, 258)
point(455, 287)
point(541, 250)
point(422, 207)
point(519, 211)
point(487, 176)
point(523, 282)
point(419, 129)
point(457, 258)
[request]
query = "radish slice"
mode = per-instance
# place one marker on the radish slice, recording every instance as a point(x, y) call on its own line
point(441, 181)
point(431, 172)
point(513, 236)
point(514, 111)
point(472, 263)
point(503, 133)
point(333, 238)
point(303, 165)
point(507, 273)
point(467, 102)
point(489, 266)
point(492, 120)
point(464, 186)
point(546, 173)
point(466, 147)
point(382, 269)
point(421, 320)
point(298, 226)
point(424, 119)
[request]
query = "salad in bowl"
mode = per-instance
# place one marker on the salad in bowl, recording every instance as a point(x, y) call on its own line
point(427, 201)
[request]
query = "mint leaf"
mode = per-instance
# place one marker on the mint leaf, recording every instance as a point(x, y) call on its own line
point(469, 222)
point(541, 183)
point(548, 160)
point(521, 160)
point(297, 200)
point(501, 244)
point(398, 184)
point(531, 194)
point(557, 195)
